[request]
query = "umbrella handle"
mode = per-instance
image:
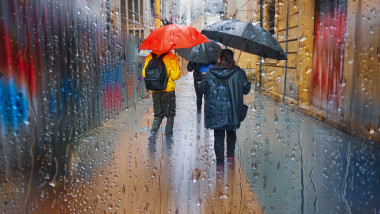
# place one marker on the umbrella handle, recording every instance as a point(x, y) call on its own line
point(245, 41)
point(239, 57)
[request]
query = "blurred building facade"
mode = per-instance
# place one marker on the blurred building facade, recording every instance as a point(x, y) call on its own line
point(333, 65)
point(62, 43)
point(139, 17)
point(65, 69)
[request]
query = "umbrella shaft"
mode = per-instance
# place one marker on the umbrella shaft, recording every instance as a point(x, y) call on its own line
point(241, 50)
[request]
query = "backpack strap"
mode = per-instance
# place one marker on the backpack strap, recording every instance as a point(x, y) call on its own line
point(162, 55)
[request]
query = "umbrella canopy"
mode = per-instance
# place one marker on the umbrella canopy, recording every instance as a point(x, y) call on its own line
point(207, 52)
point(246, 37)
point(173, 36)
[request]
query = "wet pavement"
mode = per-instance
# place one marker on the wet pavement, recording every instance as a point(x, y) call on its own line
point(286, 162)
point(299, 164)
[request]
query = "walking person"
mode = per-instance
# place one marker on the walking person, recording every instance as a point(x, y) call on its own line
point(164, 100)
point(199, 72)
point(224, 86)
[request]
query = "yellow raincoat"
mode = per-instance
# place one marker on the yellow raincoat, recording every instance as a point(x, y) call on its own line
point(172, 68)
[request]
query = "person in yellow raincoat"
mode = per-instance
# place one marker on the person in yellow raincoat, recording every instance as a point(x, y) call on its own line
point(164, 102)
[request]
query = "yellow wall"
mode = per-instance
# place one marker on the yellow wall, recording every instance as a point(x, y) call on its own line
point(300, 46)
point(360, 105)
point(361, 94)
point(158, 12)
point(244, 10)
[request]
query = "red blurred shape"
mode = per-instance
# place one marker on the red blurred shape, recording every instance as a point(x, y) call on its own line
point(173, 36)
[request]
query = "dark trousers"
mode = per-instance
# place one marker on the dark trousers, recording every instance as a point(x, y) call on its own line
point(164, 105)
point(199, 95)
point(219, 135)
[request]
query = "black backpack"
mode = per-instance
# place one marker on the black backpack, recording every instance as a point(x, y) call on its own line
point(156, 77)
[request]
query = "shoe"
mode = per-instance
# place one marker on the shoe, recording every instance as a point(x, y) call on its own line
point(219, 168)
point(168, 139)
point(153, 133)
point(152, 137)
point(231, 160)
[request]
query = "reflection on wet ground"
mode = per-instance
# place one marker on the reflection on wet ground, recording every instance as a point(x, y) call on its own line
point(286, 163)
point(299, 164)
point(116, 169)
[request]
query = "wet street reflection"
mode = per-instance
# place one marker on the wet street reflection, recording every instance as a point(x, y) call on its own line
point(286, 163)
point(116, 169)
point(299, 164)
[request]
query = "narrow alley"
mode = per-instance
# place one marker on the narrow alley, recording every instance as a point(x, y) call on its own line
point(76, 115)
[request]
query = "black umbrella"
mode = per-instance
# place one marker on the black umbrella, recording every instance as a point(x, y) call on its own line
point(246, 37)
point(207, 52)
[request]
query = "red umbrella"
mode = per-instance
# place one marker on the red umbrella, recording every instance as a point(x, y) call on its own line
point(173, 36)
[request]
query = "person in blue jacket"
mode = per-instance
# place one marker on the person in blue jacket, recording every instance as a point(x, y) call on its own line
point(224, 86)
point(199, 72)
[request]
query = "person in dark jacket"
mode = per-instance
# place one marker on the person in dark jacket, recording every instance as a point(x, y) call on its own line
point(199, 72)
point(224, 86)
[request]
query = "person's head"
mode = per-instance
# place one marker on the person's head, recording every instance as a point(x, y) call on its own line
point(226, 59)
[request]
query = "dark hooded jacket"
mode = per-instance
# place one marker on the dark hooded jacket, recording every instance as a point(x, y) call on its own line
point(224, 91)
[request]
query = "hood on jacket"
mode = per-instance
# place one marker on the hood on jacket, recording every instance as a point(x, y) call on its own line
point(221, 72)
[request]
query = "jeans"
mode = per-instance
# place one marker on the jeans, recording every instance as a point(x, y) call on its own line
point(199, 95)
point(164, 105)
point(219, 135)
